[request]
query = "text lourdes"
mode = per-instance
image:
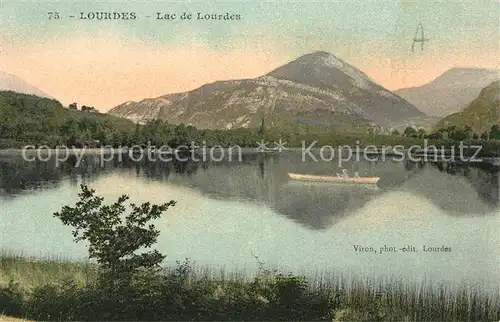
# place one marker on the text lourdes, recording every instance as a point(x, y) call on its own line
point(108, 15)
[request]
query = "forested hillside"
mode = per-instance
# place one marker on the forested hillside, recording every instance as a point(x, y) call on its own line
point(29, 119)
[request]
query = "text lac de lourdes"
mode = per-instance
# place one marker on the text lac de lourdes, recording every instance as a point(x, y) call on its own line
point(197, 16)
point(101, 15)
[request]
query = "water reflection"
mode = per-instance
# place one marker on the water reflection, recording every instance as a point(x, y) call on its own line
point(457, 189)
point(226, 210)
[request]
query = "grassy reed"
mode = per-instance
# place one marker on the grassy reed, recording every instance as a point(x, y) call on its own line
point(5, 318)
point(54, 288)
point(31, 272)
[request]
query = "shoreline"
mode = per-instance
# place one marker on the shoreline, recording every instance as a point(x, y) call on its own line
point(490, 156)
point(210, 290)
point(245, 272)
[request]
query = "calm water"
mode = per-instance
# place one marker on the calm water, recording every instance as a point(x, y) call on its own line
point(227, 211)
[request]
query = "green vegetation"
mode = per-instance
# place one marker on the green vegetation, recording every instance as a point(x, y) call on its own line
point(477, 124)
point(124, 284)
point(452, 136)
point(60, 290)
point(480, 116)
point(31, 120)
point(454, 133)
point(114, 239)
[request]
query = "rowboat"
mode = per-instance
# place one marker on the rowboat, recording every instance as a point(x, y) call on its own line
point(336, 179)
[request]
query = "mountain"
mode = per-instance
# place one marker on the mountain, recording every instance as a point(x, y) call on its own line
point(481, 114)
point(316, 88)
point(450, 92)
point(9, 82)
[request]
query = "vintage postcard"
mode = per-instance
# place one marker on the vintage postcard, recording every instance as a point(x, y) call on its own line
point(250, 160)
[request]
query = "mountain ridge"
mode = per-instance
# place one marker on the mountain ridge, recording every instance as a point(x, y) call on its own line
point(451, 91)
point(10, 82)
point(480, 114)
point(318, 85)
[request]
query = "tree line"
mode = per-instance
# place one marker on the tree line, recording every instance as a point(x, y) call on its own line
point(452, 132)
point(32, 120)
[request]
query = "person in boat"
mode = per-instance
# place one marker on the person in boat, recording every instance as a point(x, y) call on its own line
point(344, 175)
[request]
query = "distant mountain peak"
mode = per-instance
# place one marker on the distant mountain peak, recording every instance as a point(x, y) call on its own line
point(471, 70)
point(322, 58)
point(451, 91)
point(14, 83)
point(322, 68)
point(317, 56)
point(320, 53)
point(314, 88)
point(461, 74)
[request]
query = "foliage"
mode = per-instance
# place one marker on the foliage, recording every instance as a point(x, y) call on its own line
point(495, 132)
point(421, 133)
point(27, 119)
point(262, 127)
point(114, 238)
point(480, 115)
point(410, 132)
point(32, 120)
point(11, 299)
point(183, 292)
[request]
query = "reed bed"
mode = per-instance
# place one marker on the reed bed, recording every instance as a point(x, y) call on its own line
point(55, 288)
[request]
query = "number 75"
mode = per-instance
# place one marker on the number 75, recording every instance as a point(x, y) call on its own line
point(53, 15)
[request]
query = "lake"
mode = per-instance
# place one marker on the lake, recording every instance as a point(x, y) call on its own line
point(230, 212)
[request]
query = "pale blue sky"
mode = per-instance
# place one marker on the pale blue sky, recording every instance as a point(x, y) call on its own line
point(358, 20)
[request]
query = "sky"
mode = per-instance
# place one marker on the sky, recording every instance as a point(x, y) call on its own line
point(103, 63)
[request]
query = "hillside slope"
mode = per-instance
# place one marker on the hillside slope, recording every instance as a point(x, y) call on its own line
point(450, 92)
point(316, 88)
point(481, 114)
point(9, 82)
point(30, 119)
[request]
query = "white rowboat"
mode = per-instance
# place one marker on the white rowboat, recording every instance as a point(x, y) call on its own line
point(337, 179)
